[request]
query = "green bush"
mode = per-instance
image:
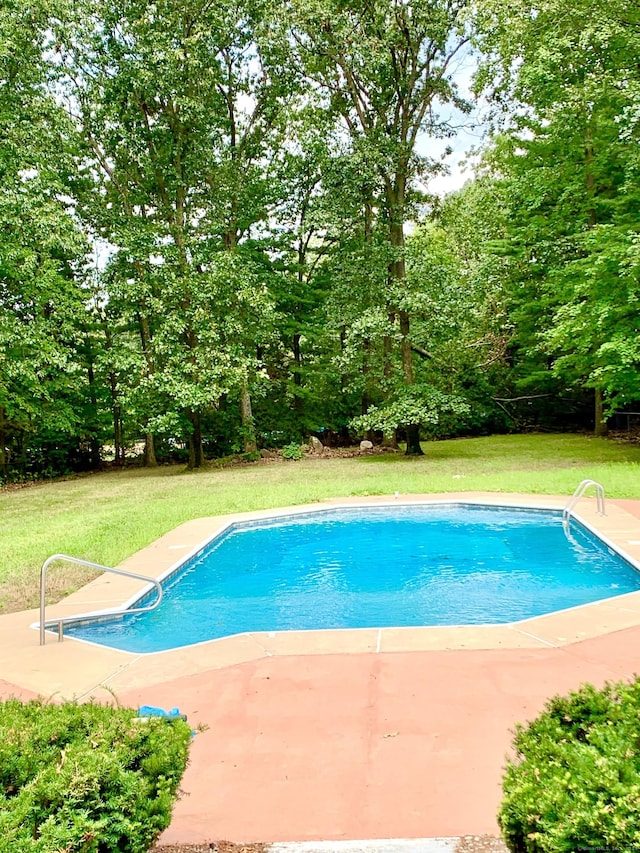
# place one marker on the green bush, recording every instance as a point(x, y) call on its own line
point(292, 451)
point(574, 783)
point(86, 778)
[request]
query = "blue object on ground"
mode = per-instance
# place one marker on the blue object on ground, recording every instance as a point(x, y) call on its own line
point(152, 711)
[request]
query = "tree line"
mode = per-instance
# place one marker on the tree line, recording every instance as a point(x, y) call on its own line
point(217, 230)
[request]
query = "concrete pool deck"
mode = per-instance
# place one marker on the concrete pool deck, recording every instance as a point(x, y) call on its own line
point(392, 733)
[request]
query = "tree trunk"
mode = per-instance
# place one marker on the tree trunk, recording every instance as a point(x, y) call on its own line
point(365, 399)
point(116, 415)
point(343, 343)
point(398, 270)
point(246, 416)
point(390, 439)
point(600, 425)
point(398, 275)
point(413, 441)
point(590, 180)
point(116, 409)
point(601, 428)
point(94, 443)
point(297, 358)
point(298, 402)
point(150, 460)
point(118, 432)
point(3, 445)
point(196, 454)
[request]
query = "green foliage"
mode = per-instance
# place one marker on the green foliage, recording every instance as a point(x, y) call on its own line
point(603, 297)
point(562, 76)
point(181, 116)
point(383, 70)
point(421, 406)
point(245, 172)
point(86, 778)
point(573, 784)
point(293, 451)
point(41, 247)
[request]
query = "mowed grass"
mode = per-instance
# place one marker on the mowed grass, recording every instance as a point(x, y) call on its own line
point(108, 516)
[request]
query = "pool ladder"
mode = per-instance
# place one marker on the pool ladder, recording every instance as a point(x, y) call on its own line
point(61, 621)
point(579, 492)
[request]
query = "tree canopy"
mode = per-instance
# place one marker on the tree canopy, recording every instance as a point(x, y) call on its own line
point(217, 230)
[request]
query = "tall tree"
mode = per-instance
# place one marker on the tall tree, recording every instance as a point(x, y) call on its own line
point(306, 233)
point(385, 67)
point(41, 246)
point(178, 106)
point(562, 75)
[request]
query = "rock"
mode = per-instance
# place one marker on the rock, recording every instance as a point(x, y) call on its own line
point(366, 445)
point(268, 454)
point(316, 446)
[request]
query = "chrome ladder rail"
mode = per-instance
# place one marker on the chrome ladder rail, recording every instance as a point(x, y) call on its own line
point(67, 620)
point(579, 492)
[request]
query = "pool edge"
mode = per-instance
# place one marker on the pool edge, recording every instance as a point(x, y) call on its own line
point(77, 668)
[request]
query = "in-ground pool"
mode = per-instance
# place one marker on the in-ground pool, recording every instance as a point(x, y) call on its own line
point(446, 564)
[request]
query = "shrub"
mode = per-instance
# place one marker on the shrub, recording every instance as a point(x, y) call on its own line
point(86, 778)
point(292, 451)
point(575, 781)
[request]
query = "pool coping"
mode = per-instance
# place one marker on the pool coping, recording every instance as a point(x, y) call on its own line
point(76, 668)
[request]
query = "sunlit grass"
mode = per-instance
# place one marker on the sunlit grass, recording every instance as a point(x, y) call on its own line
point(106, 517)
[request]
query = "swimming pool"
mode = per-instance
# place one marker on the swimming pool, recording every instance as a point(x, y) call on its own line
point(446, 564)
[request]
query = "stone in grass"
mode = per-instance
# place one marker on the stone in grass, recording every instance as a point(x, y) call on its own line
point(365, 446)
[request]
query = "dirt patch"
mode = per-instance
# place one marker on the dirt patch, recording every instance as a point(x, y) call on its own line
point(275, 456)
point(630, 436)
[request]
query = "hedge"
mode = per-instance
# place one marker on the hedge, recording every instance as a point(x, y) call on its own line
point(86, 778)
point(574, 783)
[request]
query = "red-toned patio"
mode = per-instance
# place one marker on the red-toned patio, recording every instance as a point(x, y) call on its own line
point(394, 745)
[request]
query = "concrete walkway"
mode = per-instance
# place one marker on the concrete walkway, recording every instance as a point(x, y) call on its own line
point(343, 735)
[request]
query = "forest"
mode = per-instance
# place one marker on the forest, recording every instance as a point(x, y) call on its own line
point(219, 232)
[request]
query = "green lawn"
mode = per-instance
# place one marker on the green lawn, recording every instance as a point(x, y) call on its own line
point(106, 517)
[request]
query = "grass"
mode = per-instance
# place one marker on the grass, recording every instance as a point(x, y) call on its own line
point(108, 516)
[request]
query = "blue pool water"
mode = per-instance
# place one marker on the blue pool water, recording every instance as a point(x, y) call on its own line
point(375, 567)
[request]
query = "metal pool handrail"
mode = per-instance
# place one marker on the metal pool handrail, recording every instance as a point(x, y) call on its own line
point(66, 620)
point(579, 492)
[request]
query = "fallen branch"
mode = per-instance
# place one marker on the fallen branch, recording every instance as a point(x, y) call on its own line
point(420, 351)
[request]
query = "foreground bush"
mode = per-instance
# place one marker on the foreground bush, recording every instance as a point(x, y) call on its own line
point(575, 781)
point(86, 778)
